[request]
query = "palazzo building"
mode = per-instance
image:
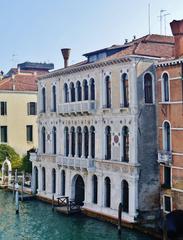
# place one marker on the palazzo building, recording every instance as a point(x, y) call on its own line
point(18, 106)
point(170, 124)
point(97, 129)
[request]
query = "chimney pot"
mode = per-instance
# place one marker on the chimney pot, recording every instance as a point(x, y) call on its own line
point(66, 54)
point(177, 31)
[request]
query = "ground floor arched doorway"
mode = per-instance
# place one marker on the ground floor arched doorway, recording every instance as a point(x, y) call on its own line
point(79, 190)
point(35, 180)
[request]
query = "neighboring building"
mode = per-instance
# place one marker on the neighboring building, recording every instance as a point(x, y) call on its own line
point(170, 124)
point(97, 130)
point(18, 106)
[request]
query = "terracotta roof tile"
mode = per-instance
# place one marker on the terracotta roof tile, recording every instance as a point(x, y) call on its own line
point(19, 83)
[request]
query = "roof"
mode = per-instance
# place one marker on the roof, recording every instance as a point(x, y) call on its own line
point(24, 82)
point(35, 66)
point(154, 46)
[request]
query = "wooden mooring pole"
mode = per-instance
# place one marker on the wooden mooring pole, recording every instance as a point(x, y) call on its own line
point(164, 227)
point(22, 197)
point(120, 209)
point(53, 202)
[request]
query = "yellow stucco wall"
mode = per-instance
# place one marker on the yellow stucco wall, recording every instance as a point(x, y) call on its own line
point(17, 119)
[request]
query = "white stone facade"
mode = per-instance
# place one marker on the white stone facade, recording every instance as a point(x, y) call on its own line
point(112, 173)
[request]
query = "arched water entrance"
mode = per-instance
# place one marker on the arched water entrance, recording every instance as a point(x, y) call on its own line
point(6, 171)
point(35, 180)
point(78, 190)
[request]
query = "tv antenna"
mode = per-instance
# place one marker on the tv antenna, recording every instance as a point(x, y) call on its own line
point(161, 19)
point(149, 18)
point(166, 14)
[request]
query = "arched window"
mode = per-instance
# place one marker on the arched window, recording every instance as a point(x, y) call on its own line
point(125, 144)
point(54, 140)
point(85, 89)
point(54, 108)
point(125, 196)
point(43, 139)
point(72, 92)
point(108, 143)
point(66, 93)
point(92, 132)
point(72, 141)
point(79, 91)
point(124, 90)
point(43, 179)
point(92, 89)
point(43, 98)
point(86, 138)
point(108, 91)
point(148, 88)
point(107, 202)
point(79, 147)
point(166, 137)
point(66, 141)
point(63, 183)
point(165, 87)
point(95, 189)
point(53, 180)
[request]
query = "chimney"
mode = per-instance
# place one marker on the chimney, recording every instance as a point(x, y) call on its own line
point(65, 53)
point(177, 31)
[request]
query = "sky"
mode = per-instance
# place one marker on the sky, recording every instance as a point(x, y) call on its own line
point(36, 30)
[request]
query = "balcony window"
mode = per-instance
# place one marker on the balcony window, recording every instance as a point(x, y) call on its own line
point(85, 90)
point(107, 143)
point(66, 141)
point(29, 132)
point(108, 91)
point(72, 92)
point(124, 91)
point(4, 134)
point(148, 88)
point(79, 147)
point(167, 204)
point(166, 137)
point(86, 138)
point(92, 132)
point(66, 93)
point(72, 141)
point(43, 100)
point(3, 108)
point(167, 177)
point(54, 99)
point(32, 108)
point(54, 140)
point(125, 144)
point(92, 89)
point(79, 91)
point(43, 139)
point(165, 88)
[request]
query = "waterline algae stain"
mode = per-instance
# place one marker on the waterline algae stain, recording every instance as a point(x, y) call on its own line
point(36, 221)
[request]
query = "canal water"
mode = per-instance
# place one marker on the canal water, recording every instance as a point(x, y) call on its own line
point(36, 221)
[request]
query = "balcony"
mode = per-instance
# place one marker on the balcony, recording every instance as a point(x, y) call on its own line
point(165, 157)
point(87, 106)
point(33, 156)
point(76, 163)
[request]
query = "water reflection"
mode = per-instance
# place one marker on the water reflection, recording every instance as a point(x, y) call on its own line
point(36, 221)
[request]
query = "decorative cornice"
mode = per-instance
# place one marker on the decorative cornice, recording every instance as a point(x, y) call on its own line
point(89, 66)
point(169, 63)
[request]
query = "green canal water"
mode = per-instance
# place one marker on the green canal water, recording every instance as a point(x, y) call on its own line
point(36, 221)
